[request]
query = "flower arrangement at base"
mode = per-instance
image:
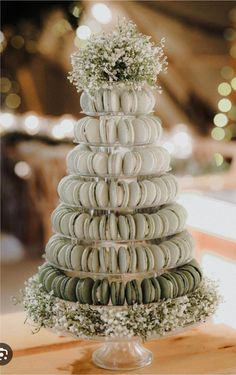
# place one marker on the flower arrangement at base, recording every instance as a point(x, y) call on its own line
point(84, 321)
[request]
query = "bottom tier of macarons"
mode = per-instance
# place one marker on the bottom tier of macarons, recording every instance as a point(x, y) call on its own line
point(172, 284)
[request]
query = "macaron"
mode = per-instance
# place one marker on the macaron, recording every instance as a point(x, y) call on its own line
point(167, 288)
point(84, 290)
point(117, 293)
point(133, 292)
point(101, 292)
point(123, 259)
point(70, 289)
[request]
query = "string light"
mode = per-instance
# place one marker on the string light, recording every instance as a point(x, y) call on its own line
point(22, 169)
point(83, 32)
point(220, 120)
point(101, 13)
point(32, 124)
point(224, 105)
point(13, 101)
point(224, 89)
point(218, 134)
point(6, 120)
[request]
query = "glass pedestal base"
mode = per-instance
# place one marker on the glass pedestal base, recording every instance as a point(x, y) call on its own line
point(122, 354)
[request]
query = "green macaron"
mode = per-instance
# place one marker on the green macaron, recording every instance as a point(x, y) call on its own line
point(167, 289)
point(70, 289)
point(101, 292)
point(117, 293)
point(84, 290)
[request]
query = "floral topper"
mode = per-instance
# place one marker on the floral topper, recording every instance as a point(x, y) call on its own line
point(121, 56)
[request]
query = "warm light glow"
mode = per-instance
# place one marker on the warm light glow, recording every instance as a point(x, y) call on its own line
point(6, 120)
point(5, 84)
point(220, 120)
point(101, 13)
point(219, 160)
point(32, 124)
point(17, 41)
point(224, 105)
point(227, 72)
point(22, 169)
point(233, 83)
point(218, 134)
point(224, 89)
point(61, 27)
point(83, 32)
point(13, 101)
point(182, 144)
point(232, 51)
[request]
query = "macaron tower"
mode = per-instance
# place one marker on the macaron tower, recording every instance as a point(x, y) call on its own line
point(120, 253)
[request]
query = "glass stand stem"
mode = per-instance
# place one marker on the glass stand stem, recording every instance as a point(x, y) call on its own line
point(122, 355)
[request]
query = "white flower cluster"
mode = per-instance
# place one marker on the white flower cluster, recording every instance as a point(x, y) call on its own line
point(122, 56)
point(83, 321)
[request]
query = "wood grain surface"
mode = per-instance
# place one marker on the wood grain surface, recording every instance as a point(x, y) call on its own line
point(208, 349)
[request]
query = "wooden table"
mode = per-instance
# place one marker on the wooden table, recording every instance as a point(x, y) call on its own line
point(208, 349)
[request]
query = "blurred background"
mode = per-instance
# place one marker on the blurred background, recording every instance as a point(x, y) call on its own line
point(39, 107)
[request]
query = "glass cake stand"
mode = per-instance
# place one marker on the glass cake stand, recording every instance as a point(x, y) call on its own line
point(126, 353)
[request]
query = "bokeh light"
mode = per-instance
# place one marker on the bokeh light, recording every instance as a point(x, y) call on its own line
point(5, 84)
point(227, 72)
point(224, 105)
point(13, 101)
point(219, 160)
point(32, 124)
point(17, 41)
point(232, 51)
point(83, 32)
point(218, 134)
point(101, 13)
point(6, 120)
point(22, 169)
point(224, 89)
point(233, 83)
point(220, 120)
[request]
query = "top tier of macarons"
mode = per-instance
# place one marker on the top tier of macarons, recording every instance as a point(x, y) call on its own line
point(118, 101)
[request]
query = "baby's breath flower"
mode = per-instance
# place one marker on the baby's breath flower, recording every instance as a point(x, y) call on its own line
point(122, 56)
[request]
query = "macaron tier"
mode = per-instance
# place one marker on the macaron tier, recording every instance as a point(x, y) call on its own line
point(120, 162)
point(173, 284)
point(118, 100)
point(118, 130)
point(86, 226)
point(120, 258)
point(117, 195)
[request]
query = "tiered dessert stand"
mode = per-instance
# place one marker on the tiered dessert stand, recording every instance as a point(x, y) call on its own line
point(125, 289)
